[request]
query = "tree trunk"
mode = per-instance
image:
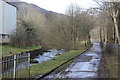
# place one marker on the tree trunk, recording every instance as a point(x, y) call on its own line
point(116, 26)
point(100, 35)
point(116, 30)
point(105, 32)
point(89, 39)
point(103, 35)
point(114, 35)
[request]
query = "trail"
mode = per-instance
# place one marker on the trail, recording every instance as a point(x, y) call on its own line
point(84, 66)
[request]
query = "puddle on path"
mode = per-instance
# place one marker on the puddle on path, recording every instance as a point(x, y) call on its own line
point(84, 66)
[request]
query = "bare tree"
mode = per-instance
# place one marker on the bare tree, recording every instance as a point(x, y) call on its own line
point(112, 9)
point(66, 31)
point(106, 24)
point(29, 22)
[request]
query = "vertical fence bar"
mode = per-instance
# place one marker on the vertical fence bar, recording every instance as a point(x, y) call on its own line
point(16, 75)
point(12, 66)
point(28, 65)
point(3, 66)
point(6, 66)
point(25, 60)
point(119, 54)
point(14, 71)
point(12, 59)
point(0, 68)
point(17, 65)
point(118, 50)
point(20, 61)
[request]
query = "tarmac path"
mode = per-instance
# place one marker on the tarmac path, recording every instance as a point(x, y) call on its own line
point(84, 66)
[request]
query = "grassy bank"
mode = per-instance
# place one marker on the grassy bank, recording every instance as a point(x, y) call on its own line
point(46, 66)
point(9, 50)
point(112, 65)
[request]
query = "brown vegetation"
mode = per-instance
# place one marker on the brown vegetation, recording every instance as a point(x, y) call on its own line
point(29, 22)
point(65, 32)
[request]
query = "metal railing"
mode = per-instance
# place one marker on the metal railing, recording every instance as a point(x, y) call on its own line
point(16, 66)
point(112, 48)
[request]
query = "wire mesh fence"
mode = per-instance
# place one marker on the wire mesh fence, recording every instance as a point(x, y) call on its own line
point(16, 66)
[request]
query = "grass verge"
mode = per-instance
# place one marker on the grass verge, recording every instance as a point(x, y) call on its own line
point(46, 66)
point(112, 65)
point(8, 50)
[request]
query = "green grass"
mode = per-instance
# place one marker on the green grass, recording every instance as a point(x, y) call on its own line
point(112, 65)
point(83, 42)
point(46, 66)
point(8, 50)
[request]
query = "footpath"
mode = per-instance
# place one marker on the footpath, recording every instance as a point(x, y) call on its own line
point(84, 66)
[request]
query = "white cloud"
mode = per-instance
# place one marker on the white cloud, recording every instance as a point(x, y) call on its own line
point(109, 0)
point(60, 5)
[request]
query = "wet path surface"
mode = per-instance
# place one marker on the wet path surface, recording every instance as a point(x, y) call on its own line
point(84, 66)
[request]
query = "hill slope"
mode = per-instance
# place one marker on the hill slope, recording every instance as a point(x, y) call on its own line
point(45, 12)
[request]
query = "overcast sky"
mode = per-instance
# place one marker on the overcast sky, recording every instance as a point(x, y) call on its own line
point(61, 5)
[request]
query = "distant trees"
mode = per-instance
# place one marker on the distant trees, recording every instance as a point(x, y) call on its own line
point(56, 31)
point(112, 9)
point(81, 22)
point(66, 31)
point(88, 23)
point(28, 30)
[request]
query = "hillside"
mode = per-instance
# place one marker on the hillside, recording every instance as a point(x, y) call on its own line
point(45, 12)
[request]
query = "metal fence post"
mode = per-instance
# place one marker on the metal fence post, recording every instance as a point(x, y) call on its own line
point(118, 59)
point(1, 68)
point(29, 64)
point(119, 51)
point(14, 71)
